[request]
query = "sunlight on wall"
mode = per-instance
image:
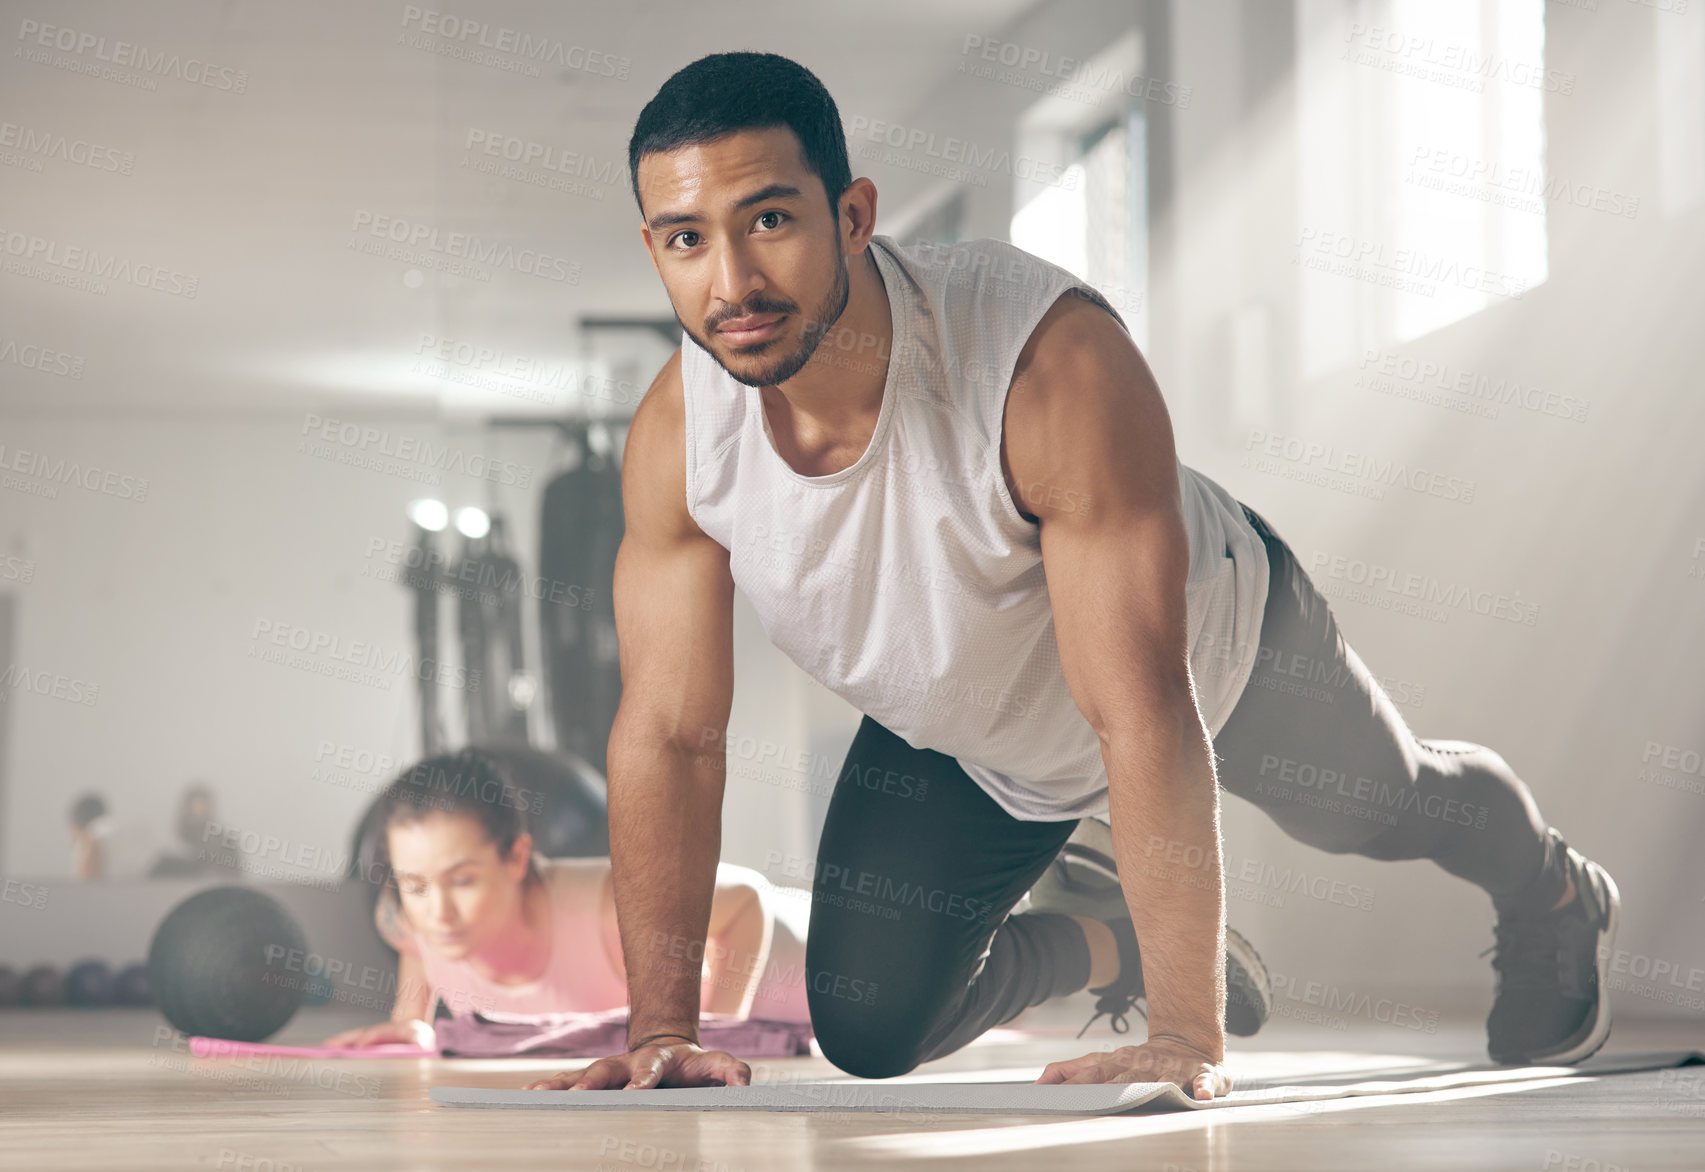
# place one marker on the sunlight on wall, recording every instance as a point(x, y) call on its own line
point(1422, 180)
point(1055, 225)
point(1679, 46)
point(1093, 221)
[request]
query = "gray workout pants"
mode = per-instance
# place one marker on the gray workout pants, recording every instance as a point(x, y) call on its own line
point(912, 951)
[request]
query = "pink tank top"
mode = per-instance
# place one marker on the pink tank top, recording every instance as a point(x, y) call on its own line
point(580, 977)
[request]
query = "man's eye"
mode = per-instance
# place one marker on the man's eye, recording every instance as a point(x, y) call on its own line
point(778, 216)
point(682, 236)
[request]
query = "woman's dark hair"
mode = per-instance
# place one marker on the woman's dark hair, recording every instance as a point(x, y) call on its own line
point(86, 809)
point(467, 783)
point(723, 93)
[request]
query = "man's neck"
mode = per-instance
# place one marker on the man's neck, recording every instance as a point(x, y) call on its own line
point(823, 417)
point(841, 387)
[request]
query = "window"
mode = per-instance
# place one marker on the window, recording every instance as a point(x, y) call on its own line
point(1092, 220)
point(1422, 189)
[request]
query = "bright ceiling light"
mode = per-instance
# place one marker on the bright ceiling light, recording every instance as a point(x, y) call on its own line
point(472, 522)
point(429, 514)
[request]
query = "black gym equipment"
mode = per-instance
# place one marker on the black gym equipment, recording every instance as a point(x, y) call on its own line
point(422, 579)
point(228, 962)
point(131, 988)
point(580, 528)
point(489, 596)
point(11, 986)
point(568, 811)
point(89, 983)
point(42, 985)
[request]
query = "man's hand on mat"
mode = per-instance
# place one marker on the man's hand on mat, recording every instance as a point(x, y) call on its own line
point(418, 1033)
point(660, 1064)
point(1161, 1059)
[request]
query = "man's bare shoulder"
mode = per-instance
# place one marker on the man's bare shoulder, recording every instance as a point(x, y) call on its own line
point(1075, 334)
point(1084, 418)
point(662, 410)
point(654, 472)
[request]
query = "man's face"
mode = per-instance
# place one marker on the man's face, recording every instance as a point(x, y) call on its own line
point(748, 249)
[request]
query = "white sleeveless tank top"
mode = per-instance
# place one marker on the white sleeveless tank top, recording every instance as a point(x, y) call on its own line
point(908, 583)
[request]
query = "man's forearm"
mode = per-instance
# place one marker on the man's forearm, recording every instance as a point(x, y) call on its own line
point(1164, 802)
point(665, 838)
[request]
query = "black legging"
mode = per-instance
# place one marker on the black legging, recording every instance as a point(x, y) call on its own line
point(912, 951)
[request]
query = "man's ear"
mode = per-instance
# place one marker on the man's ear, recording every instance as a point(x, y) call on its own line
point(855, 215)
point(645, 243)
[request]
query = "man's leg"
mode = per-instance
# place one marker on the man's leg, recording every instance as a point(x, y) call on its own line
point(1316, 743)
point(911, 952)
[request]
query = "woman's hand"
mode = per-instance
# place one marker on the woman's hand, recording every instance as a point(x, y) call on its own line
point(1160, 1059)
point(669, 1063)
point(412, 1031)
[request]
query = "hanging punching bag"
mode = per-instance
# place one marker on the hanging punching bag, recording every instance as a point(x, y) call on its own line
point(488, 612)
point(421, 578)
point(581, 527)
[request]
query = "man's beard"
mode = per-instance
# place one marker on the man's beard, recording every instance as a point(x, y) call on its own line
point(817, 327)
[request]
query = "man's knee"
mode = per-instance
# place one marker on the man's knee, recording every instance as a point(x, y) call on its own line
point(856, 1030)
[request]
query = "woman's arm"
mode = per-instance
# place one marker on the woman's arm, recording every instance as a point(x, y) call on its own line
point(414, 994)
point(414, 999)
point(737, 941)
point(737, 946)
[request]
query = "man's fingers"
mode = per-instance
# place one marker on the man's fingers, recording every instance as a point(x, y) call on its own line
point(556, 1082)
point(650, 1068)
point(731, 1070)
point(591, 1078)
point(644, 1077)
point(1203, 1087)
point(1056, 1072)
point(604, 1074)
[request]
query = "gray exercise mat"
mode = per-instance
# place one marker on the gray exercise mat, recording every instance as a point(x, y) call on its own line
point(1025, 1098)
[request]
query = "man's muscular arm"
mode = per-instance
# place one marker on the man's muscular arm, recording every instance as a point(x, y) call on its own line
point(1088, 452)
point(674, 626)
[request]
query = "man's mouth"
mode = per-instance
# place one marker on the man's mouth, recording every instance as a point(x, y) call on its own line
point(752, 328)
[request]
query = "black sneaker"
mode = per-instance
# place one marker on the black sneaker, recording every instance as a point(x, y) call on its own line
point(1248, 993)
point(1552, 1005)
point(1084, 882)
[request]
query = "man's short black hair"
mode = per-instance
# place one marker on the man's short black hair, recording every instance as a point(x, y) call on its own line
point(723, 93)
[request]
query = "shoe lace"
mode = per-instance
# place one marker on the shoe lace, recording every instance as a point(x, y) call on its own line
point(1115, 1004)
point(1526, 948)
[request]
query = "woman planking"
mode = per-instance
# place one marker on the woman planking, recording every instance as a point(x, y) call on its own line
point(482, 923)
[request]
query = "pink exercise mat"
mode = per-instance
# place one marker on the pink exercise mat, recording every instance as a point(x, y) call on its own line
point(226, 1048)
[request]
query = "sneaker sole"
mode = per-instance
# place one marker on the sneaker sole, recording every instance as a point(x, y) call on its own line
point(1249, 993)
point(1587, 1040)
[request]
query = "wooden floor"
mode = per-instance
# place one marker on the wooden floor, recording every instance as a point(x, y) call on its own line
point(94, 1089)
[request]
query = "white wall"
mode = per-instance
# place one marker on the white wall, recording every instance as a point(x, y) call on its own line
point(157, 601)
